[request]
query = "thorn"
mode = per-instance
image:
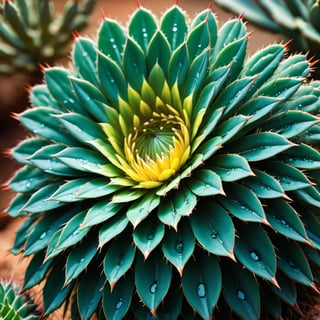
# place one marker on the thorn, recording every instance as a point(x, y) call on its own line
point(210, 6)
point(112, 284)
point(314, 287)
point(154, 313)
point(232, 256)
point(286, 45)
point(275, 283)
point(176, 2)
point(75, 34)
point(297, 308)
point(241, 16)
point(180, 270)
point(138, 4)
point(103, 15)
point(7, 153)
point(15, 116)
point(314, 62)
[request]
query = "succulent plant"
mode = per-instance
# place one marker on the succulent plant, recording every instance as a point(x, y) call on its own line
point(168, 172)
point(32, 34)
point(296, 19)
point(15, 305)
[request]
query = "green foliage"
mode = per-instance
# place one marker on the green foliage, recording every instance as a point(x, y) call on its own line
point(298, 20)
point(31, 33)
point(169, 173)
point(15, 305)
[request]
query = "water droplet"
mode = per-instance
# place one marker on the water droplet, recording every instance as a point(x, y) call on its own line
point(254, 256)
point(74, 233)
point(179, 246)
point(201, 290)
point(150, 236)
point(174, 29)
point(81, 260)
point(85, 54)
point(43, 235)
point(145, 35)
point(112, 40)
point(293, 265)
point(241, 295)
point(119, 304)
point(154, 287)
point(214, 234)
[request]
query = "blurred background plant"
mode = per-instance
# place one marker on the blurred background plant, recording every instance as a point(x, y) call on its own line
point(297, 20)
point(32, 33)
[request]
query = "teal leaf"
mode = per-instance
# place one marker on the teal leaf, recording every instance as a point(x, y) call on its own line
point(117, 300)
point(16, 205)
point(152, 279)
point(36, 270)
point(264, 185)
point(55, 291)
point(255, 251)
point(294, 263)
point(285, 220)
point(213, 228)
point(139, 210)
point(111, 39)
point(312, 225)
point(80, 257)
point(198, 40)
point(201, 284)
point(101, 212)
point(134, 64)
point(295, 66)
point(159, 52)
point(302, 157)
point(89, 293)
point(231, 167)
point(260, 146)
point(309, 195)
point(41, 97)
point(142, 27)
point(242, 203)
point(118, 259)
point(178, 245)
point(84, 56)
point(289, 177)
point(111, 78)
point(174, 27)
point(241, 291)
point(205, 183)
point(148, 234)
point(112, 228)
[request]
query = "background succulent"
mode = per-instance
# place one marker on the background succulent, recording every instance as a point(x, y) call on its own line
point(32, 34)
point(15, 305)
point(296, 19)
point(168, 173)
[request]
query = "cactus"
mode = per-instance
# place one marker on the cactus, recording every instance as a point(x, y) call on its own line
point(295, 19)
point(32, 34)
point(169, 173)
point(15, 305)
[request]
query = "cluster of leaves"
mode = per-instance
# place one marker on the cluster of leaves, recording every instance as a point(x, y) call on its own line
point(137, 230)
point(32, 34)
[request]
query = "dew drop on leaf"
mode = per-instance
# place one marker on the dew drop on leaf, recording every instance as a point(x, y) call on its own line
point(241, 295)
point(254, 256)
point(154, 287)
point(179, 246)
point(201, 290)
point(119, 304)
point(43, 235)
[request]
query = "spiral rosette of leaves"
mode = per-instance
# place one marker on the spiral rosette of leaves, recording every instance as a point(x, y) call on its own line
point(15, 305)
point(296, 19)
point(32, 34)
point(169, 173)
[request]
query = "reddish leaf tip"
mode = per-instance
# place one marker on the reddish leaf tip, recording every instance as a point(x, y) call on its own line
point(241, 16)
point(138, 4)
point(287, 44)
point(103, 15)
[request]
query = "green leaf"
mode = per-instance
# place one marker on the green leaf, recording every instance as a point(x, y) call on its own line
point(111, 39)
point(148, 235)
point(290, 123)
point(55, 291)
point(111, 229)
point(101, 212)
point(241, 291)
point(231, 167)
point(80, 257)
point(289, 177)
point(255, 251)
point(112, 80)
point(213, 228)
point(16, 205)
point(89, 293)
point(36, 270)
point(201, 284)
point(42, 122)
point(159, 52)
point(41, 97)
point(312, 225)
point(242, 203)
point(309, 195)
point(152, 279)
point(142, 27)
point(44, 159)
point(294, 263)
point(205, 183)
point(260, 146)
point(285, 220)
point(198, 40)
point(118, 259)
point(295, 66)
point(174, 27)
point(178, 245)
point(84, 56)
point(264, 185)
point(139, 210)
point(302, 157)
point(117, 300)
point(134, 64)
point(28, 179)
